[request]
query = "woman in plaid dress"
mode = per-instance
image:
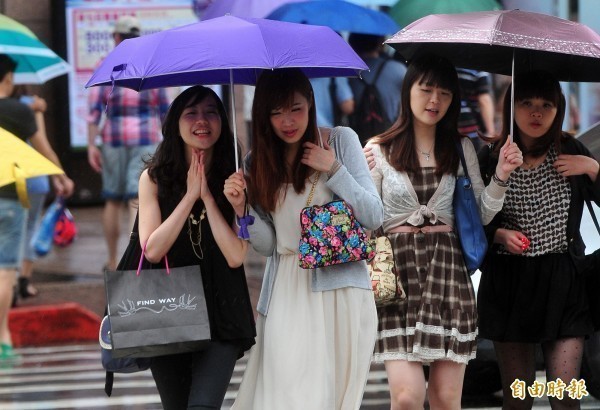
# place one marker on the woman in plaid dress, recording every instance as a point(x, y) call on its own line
point(415, 164)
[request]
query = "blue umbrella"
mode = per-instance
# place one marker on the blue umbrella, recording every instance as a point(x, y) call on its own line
point(340, 15)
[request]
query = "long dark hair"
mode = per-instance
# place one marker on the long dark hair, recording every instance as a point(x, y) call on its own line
point(168, 167)
point(398, 142)
point(268, 169)
point(534, 84)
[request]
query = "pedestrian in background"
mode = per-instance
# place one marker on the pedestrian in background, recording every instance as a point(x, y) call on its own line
point(183, 213)
point(18, 119)
point(385, 74)
point(37, 190)
point(530, 292)
point(334, 100)
point(316, 328)
point(477, 106)
point(416, 163)
point(130, 131)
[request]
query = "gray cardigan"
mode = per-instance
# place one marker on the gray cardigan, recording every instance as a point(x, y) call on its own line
point(352, 183)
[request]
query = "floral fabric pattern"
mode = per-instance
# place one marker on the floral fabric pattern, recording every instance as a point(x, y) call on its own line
point(331, 235)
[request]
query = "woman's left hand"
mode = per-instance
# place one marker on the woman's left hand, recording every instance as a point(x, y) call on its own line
point(204, 190)
point(570, 165)
point(320, 159)
point(510, 158)
point(370, 157)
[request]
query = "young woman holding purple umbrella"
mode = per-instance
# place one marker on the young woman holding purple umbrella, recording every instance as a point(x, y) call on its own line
point(530, 291)
point(183, 213)
point(316, 327)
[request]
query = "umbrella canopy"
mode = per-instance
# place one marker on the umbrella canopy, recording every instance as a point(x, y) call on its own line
point(226, 50)
point(340, 15)
point(18, 161)
point(488, 41)
point(36, 62)
point(407, 11)
point(242, 8)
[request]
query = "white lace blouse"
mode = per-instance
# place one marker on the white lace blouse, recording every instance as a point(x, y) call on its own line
point(401, 205)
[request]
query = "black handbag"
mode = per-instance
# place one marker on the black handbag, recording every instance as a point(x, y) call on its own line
point(467, 221)
point(591, 274)
point(118, 365)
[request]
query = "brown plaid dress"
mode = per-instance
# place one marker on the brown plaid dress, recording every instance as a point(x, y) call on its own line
point(438, 318)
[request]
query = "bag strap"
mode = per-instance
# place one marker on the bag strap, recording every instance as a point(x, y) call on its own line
point(461, 153)
point(318, 174)
point(312, 188)
point(139, 269)
point(379, 70)
point(593, 214)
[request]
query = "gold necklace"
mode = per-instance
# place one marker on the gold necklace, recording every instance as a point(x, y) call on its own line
point(198, 223)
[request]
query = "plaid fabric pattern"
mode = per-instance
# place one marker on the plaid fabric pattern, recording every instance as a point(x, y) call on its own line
point(438, 318)
point(132, 118)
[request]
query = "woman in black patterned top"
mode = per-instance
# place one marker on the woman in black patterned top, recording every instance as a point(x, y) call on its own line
point(530, 291)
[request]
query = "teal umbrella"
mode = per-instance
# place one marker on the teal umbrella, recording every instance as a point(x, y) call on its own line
point(36, 62)
point(405, 12)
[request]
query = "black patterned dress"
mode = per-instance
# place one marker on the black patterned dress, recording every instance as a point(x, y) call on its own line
point(536, 296)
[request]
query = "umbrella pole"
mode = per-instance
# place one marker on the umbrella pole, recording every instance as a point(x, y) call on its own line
point(233, 119)
point(512, 98)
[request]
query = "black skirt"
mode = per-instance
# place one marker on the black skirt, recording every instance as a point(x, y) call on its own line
point(532, 299)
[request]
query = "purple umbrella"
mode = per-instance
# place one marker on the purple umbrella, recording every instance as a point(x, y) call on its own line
point(226, 50)
point(505, 42)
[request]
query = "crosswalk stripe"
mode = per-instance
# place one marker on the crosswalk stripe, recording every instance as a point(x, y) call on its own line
point(44, 375)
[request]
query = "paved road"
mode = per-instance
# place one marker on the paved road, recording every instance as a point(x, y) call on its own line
point(71, 377)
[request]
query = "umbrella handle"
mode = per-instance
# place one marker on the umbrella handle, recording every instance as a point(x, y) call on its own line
point(21, 185)
point(512, 99)
point(234, 121)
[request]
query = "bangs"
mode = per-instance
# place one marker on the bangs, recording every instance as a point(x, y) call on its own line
point(200, 95)
point(438, 77)
point(282, 89)
point(537, 84)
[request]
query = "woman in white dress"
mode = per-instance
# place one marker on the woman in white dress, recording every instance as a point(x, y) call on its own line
point(316, 328)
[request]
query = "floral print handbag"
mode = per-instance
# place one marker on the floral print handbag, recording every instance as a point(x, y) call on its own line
point(330, 234)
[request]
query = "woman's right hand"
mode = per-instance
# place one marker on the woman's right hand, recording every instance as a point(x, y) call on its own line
point(234, 189)
point(513, 241)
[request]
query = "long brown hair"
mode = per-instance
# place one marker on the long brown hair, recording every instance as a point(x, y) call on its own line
point(534, 84)
point(268, 170)
point(398, 142)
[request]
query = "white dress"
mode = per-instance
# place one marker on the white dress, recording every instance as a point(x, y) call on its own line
point(313, 349)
